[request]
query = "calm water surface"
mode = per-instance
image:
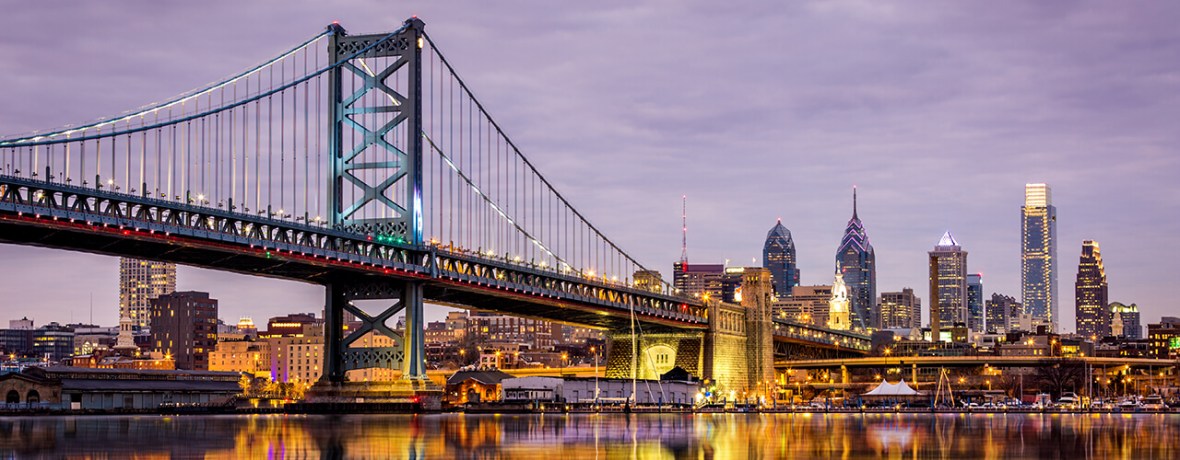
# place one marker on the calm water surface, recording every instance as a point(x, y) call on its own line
point(587, 436)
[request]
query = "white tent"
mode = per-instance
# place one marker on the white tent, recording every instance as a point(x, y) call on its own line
point(892, 389)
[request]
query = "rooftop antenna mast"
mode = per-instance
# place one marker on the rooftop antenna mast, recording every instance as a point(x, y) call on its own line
point(683, 230)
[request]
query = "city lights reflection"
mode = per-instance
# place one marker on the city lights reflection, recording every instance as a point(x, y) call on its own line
point(648, 436)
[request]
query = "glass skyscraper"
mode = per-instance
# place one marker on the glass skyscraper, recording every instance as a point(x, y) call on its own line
point(778, 256)
point(948, 285)
point(1039, 254)
point(975, 302)
point(1090, 294)
point(857, 261)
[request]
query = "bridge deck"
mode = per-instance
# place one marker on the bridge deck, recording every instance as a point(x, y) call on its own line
point(966, 361)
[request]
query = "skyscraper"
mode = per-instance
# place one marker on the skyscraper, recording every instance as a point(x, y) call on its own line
point(1039, 254)
point(140, 281)
point(1090, 294)
point(778, 256)
point(856, 260)
point(975, 302)
point(948, 285)
point(899, 310)
point(1003, 313)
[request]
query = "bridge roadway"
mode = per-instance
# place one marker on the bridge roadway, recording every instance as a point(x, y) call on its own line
point(821, 338)
point(964, 361)
point(54, 215)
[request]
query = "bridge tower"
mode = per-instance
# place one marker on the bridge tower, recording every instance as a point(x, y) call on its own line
point(758, 301)
point(375, 189)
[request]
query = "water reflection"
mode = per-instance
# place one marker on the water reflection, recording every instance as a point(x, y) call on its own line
point(559, 437)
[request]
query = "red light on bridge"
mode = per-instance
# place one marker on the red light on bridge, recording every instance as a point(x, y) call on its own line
point(126, 232)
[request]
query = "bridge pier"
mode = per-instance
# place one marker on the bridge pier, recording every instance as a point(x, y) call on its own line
point(735, 355)
point(406, 350)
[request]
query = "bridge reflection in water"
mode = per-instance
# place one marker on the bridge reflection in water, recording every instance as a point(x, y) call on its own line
point(649, 436)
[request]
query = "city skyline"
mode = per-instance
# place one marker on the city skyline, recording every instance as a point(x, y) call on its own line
point(821, 128)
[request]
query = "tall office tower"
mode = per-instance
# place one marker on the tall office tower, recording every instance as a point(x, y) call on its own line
point(1038, 257)
point(899, 310)
point(975, 302)
point(857, 261)
point(1003, 313)
point(1128, 317)
point(698, 280)
point(140, 281)
point(1090, 293)
point(778, 256)
point(948, 285)
point(184, 326)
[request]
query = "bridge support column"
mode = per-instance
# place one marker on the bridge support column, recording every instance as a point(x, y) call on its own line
point(384, 348)
point(415, 361)
point(334, 334)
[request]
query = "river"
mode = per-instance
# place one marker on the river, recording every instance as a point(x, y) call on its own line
point(586, 436)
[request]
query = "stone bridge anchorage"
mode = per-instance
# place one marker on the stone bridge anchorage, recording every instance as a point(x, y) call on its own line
point(737, 351)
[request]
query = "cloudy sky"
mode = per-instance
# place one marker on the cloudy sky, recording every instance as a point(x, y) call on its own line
point(939, 112)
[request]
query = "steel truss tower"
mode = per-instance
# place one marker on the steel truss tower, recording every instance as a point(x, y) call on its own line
point(375, 189)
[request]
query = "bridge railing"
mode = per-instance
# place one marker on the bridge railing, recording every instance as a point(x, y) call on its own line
point(68, 203)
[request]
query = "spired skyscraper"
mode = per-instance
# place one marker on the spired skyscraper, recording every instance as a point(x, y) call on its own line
point(778, 256)
point(1038, 256)
point(1090, 293)
point(948, 285)
point(856, 260)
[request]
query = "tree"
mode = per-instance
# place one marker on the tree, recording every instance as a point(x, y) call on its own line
point(1056, 375)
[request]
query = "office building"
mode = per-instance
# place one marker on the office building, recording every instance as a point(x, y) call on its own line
point(140, 281)
point(53, 342)
point(778, 256)
point(289, 325)
point(1164, 338)
point(184, 326)
point(1127, 319)
point(495, 329)
point(899, 310)
point(698, 280)
point(1039, 254)
point(243, 356)
point(1003, 313)
point(1090, 294)
point(975, 301)
point(806, 305)
point(948, 285)
point(856, 259)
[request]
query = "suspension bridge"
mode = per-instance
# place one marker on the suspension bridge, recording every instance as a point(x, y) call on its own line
point(370, 169)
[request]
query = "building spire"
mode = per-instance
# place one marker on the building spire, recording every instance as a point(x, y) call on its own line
point(684, 229)
point(854, 202)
